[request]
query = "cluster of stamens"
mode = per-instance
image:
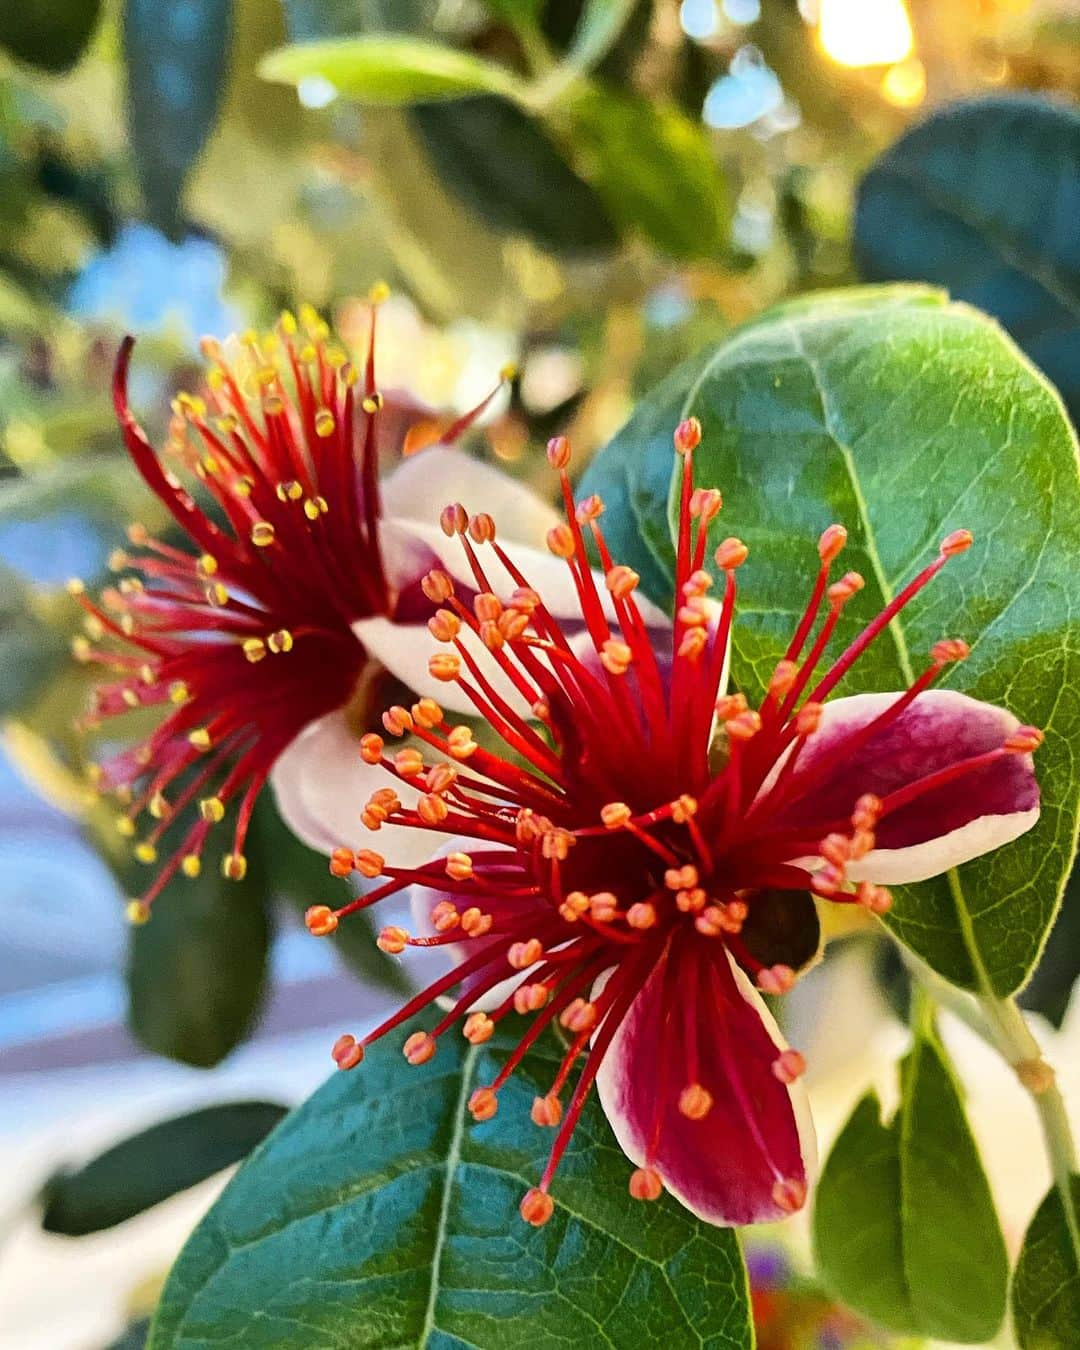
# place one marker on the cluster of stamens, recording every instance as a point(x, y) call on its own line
point(611, 842)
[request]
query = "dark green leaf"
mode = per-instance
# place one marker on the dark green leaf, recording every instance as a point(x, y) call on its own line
point(51, 34)
point(902, 416)
point(1050, 988)
point(133, 1337)
point(196, 972)
point(1046, 1285)
point(904, 1224)
point(983, 197)
point(503, 166)
point(655, 169)
point(176, 58)
point(382, 68)
point(376, 1216)
point(161, 1161)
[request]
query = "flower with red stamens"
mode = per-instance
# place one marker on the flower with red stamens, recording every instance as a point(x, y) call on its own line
point(622, 871)
point(267, 639)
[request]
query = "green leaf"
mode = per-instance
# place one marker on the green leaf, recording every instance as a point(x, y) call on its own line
point(388, 69)
point(141, 1171)
point(655, 169)
point(598, 30)
point(31, 649)
point(1051, 987)
point(1046, 1285)
point(197, 971)
point(376, 1215)
point(982, 198)
point(902, 416)
point(503, 165)
point(51, 34)
point(176, 57)
point(904, 1224)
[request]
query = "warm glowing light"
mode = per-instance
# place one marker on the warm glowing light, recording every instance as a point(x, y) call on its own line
point(904, 85)
point(865, 32)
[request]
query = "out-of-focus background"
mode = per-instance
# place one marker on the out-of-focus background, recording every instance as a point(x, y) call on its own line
point(725, 153)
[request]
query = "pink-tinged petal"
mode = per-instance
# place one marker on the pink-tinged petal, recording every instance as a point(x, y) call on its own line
point(977, 811)
point(419, 488)
point(728, 1166)
point(504, 912)
point(321, 785)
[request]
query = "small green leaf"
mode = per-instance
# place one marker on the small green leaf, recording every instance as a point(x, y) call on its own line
point(901, 416)
point(598, 30)
point(982, 198)
point(176, 57)
point(1046, 1285)
point(378, 1215)
point(51, 34)
point(197, 971)
point(904, 1224)
point(655, 169)
point(141, 1171)
point(388, 69)
point(502, 164)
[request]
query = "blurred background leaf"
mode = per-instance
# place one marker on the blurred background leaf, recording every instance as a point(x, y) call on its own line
point(51, 34)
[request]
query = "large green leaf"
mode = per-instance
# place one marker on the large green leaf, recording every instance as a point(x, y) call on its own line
point(902, 416)
point(982, 197)
point(655, 169)
point(153, 1165)
point(1046, 1285)
point(1051, 987)
point(904, 1224)
point(197, 971)
point(384, 68)
point(376, 1216)
point(501, 163)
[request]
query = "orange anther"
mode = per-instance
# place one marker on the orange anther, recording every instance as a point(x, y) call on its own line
point(574, 906)
point(558, 452)
point(459, 866)
point(867, 812)
point(445, 666)
point(808, 718)
point(789, 1194)
point(453, 519)
point(521, 955)
point(320, 920)
point(445, 916)
point(645, 1184)
point(831, 542)
point(691, 901)
point(840, 592)
point(788, 1066)
point(530, 997)
point(419, 1047)
point(957, 542)
point(478, 1028)
point(483, 1104)
point(695, 1102)
point(681, 878)
point(877, 899)
point(369, 863)
point(949, 649)
point(460, 743)
point(427, 713)
point(397, 720)
point(513, 623)
point(687, 435)
point(589, 509)
point(706, 503)
point(776, 979)
point(392, 940)
point(438, 586)
point(347, 1052)
point(836, 849)
point(616, 657)
point(371, 748)
point(743, 725)
point(487, 606)
point(578, 1016)
point(683, 808)
point(444, 625)
point(1023, 741)
point(546, 1111)
point(537, 1207)
point(729, 706)
point(782, 678)
point(827, 880)
point(441, 778)
point(731, 554)
point(431, 809)
point(560, 540)
point(621, 581)
point(409, 763)
point(615, 815)
point(342, 862)
point(525, 599)
point(482, 528)
point(603, 906)
point(642, 915)
point(693, 643)
point(475, 923)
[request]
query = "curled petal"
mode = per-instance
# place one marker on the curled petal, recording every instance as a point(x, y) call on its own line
point(976, 811)
point(752, 1154)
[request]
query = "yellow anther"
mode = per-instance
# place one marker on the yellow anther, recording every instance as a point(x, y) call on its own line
point(615, 815)
point(315, 507)
point(254, 649)
point(75, 586)
point(207, 565)
point(216, 595)
point(234, 867)
point(137, 912)
point(291, 491)
point(125, 826)
point(262, 534)
point(372, 403)
point(212, 809)
point(179, 692)
point(191, 865)
point(159, 806)
point(200, 738)
point(324, 423)
point(287, 322)
point(145, 852)
point(280, 642)
point(118, 560)
point(379, 293)
point(81, 648)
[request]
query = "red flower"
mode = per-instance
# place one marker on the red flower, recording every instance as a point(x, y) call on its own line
point(251, 639)
point(619, 870)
